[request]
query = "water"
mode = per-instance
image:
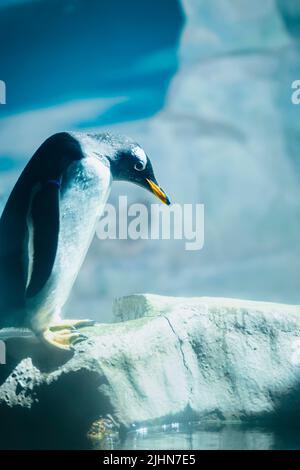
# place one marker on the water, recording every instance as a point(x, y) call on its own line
point(213, 437)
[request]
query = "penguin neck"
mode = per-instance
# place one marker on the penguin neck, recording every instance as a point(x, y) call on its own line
point(93, 148)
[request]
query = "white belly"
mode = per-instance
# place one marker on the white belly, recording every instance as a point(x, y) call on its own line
point(84, 192)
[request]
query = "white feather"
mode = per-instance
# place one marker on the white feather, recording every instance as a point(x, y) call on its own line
point(84, 192)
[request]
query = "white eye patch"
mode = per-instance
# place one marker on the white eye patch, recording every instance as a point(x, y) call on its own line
point(140, 154)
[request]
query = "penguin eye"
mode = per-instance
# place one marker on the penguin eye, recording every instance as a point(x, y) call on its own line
point(140, 166)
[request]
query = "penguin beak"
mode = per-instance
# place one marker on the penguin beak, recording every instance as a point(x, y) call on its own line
point(158, 192)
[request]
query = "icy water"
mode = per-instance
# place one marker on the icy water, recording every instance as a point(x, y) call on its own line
point(192, 437)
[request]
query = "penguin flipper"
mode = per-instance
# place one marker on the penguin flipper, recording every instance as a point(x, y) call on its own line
point(45, 226)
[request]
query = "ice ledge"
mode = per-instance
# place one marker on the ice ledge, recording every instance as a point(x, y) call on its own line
point(136, 306)
point(168, 359)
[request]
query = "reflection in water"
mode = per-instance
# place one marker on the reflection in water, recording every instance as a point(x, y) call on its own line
point(230, 437)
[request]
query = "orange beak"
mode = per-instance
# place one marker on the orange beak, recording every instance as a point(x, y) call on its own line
point(158, 192)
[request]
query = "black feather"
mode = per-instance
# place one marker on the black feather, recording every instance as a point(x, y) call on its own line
point(45, 222)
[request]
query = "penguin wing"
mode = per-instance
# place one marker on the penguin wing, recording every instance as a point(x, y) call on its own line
point(45, 227)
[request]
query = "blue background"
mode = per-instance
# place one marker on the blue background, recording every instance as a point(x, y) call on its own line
point(205, 87)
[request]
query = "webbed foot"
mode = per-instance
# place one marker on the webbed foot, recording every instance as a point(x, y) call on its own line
point(64, 334)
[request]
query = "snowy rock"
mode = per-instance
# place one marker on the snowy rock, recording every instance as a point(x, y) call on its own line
point(164, 359)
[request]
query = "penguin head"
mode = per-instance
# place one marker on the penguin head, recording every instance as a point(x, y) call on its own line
point(129, 162)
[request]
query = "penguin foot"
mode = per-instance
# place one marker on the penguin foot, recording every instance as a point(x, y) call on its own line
point(63, 335)
point(63, 339)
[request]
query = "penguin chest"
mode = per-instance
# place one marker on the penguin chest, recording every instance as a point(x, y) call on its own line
point(84, 192)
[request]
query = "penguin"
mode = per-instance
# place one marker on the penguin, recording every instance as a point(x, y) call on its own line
point(49, 221)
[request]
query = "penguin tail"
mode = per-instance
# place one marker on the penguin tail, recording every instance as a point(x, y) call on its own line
point(7, 333)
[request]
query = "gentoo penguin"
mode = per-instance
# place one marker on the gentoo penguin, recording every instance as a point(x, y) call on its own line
point(48, 223)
